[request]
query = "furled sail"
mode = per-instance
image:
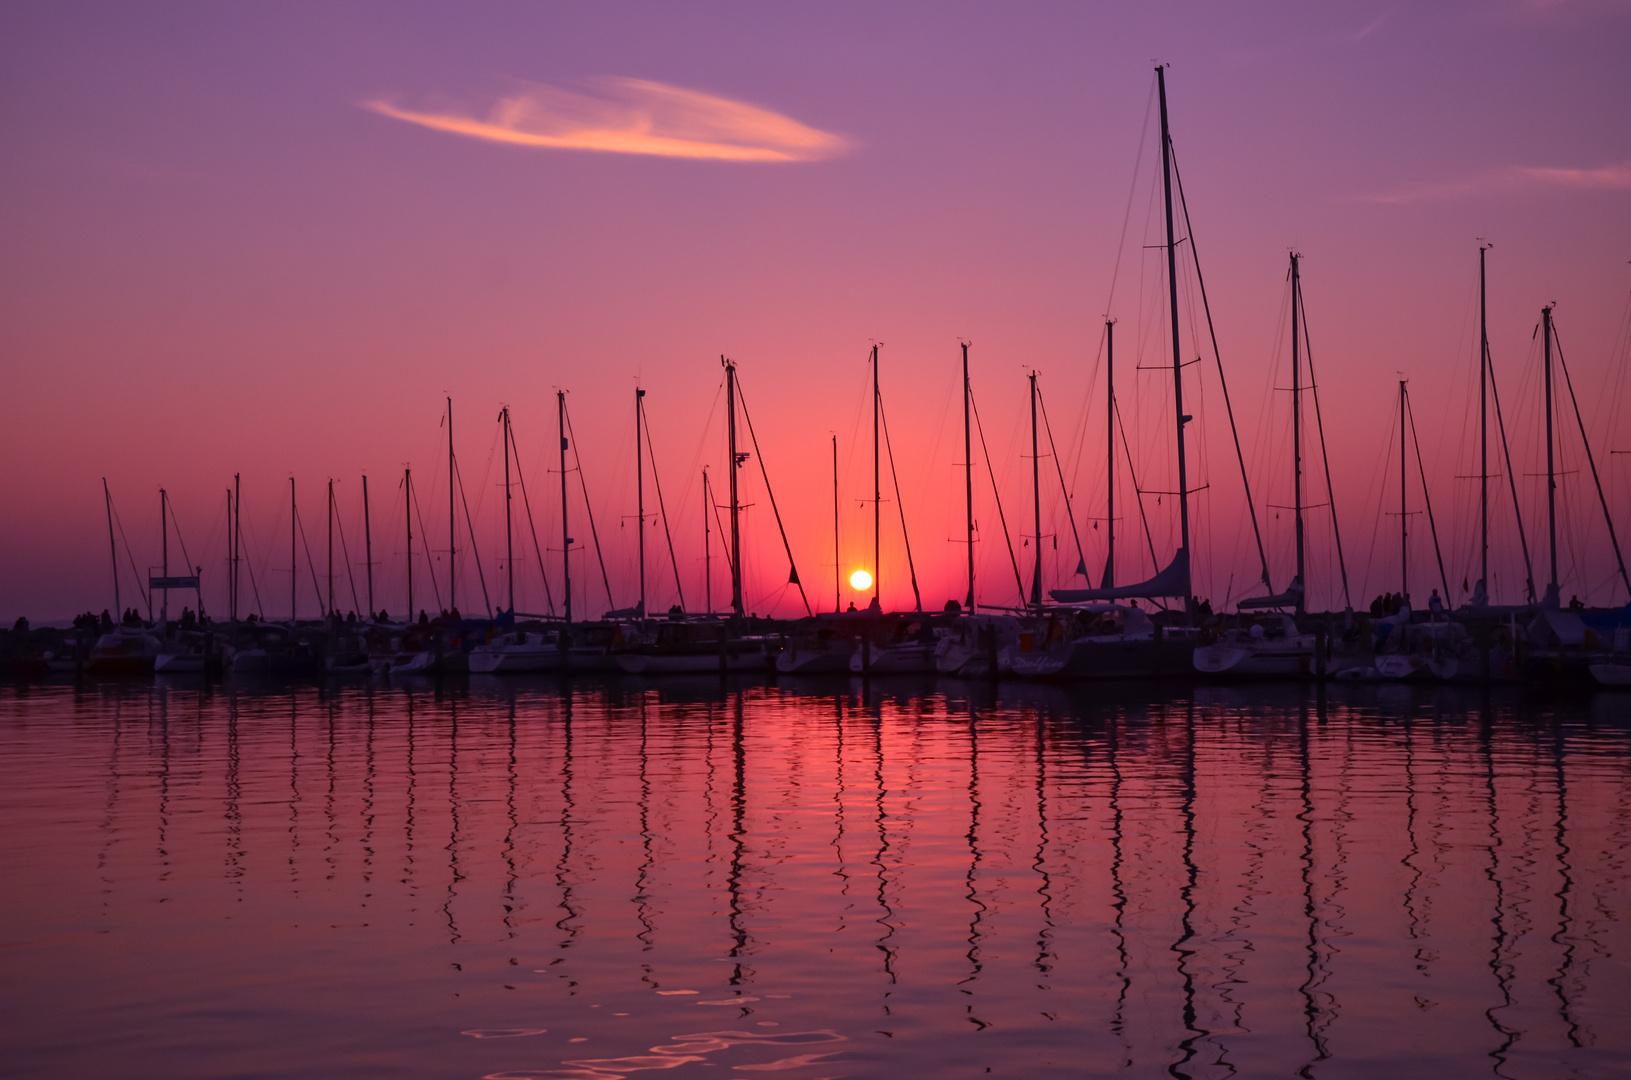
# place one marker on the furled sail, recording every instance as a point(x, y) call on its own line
point(1172, 581)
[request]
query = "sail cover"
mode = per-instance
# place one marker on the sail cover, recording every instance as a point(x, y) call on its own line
point(1292, 597)
point(1172, 581)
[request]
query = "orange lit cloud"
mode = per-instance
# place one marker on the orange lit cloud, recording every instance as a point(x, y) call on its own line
point(634, 116)
point(1514, 178)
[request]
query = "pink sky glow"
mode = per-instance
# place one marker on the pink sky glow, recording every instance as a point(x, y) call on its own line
point(268, 241)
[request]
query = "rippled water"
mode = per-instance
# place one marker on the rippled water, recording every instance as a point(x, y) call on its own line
point(514, 881)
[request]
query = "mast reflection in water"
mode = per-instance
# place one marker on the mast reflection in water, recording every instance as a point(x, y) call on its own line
point(515, 881)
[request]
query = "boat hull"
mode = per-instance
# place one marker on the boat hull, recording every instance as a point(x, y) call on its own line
point(914, 659)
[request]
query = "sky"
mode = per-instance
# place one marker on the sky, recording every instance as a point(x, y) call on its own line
point(270, 242)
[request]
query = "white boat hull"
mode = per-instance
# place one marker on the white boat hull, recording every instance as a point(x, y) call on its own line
point(1612, 674)
point(513, 660)
point(914, 659)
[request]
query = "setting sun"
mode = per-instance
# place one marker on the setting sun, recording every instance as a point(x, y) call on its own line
point(860, 581)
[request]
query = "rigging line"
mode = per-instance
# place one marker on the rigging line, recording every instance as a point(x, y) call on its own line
point(1189, 231)
point(1325, 457)
point(1427, 498)
point(720, 529)
point(170, 507)
point(1138, 492)
point(1070, 513)
point(424, 534)
point(765, 472)
point(549, 597)
point(1592, 461)
point(662, 510)
point(899, 505)
point(1019, 582)
point(311, 564)
point(589, 510)
point(464, 500)
point(131, 558)
point(1132, 193)
point(243, 555)
point(345, 553)
point(1512, 483)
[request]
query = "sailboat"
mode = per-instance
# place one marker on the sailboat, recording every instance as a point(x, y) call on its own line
point(1096, 636)
point(515, 650)
point(890, 646)
point(678, 645)
point(1273, 645)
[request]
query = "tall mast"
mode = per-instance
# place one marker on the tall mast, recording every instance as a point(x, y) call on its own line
point(237, 539)
point(294, 563)
point(1172, 303)
point(509, 533)
point(1297, 422)
point(452, 554)
point(837, 562)
point(164, 528)
point(232, 599)
point(1109, 454)
point(1036, 502)
point(707, 546)
point(1551, 474)
point(877, 486)
point(113, 549)
point(1404, 533)
point(368, 544)
point(968, 477)
point(330, 611)
point(640, 491)
point(1483, 427)
point(407, 484)
point(735, 463)
point(566, 538)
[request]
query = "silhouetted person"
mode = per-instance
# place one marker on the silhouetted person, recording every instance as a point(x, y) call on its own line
point(20, 626)
point(851, 606)
point(1435, 604)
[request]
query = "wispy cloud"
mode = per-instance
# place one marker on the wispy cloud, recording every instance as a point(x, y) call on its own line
point(633, 116)
point(1513, 179)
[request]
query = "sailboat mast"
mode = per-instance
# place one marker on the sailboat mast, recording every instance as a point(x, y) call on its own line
point(1109, 454)
point(232, 598)
point(237, 539)
point(294, 563)
point(1483, 426)
point(509, 533)
point(566, 538)
point(837, 562)
point(407, 484)
point(1172, 304)
point(368, 544)
point(736, 506)
point(1297, 421)
point(1036, 502)
point(968, 477)
point(330, 611)
point(164, 528)
point(113, 548)
point(1551, 466)
point(452, 553)
point(640, 490)
point(1404, 532)
point(877, 486)
point(707, 546)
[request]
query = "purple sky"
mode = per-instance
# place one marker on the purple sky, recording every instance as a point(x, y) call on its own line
point(219, 258)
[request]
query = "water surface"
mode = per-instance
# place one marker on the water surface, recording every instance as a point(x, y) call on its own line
point(521, 880)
